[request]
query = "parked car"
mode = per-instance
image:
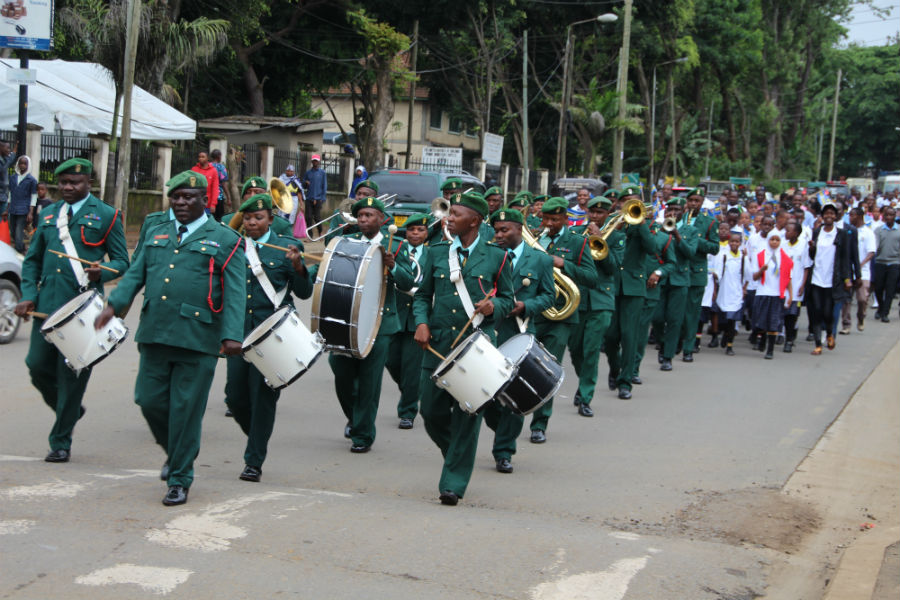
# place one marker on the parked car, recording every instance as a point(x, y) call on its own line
point(10, 291)
point(416, 189)
point(715, 189)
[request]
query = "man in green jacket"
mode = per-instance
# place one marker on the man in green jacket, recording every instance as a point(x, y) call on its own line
point(79, 224)
point(192, 273)
point(706, 230)
point(657, 267)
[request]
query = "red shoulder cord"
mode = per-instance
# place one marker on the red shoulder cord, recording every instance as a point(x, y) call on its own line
point(398, 249)
point(221, 278)
point(666, 247)
point(580, 254)
point(496, 278)
point(101, 242)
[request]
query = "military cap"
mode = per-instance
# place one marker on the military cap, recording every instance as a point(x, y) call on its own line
point(525, 194)
point(676, 201)
point(611, 193)
point(519, 200)
point(451, 183)
point(417, 219)
point(697, 191)
point(601, 201)
point(367, 203)
point(472, 200)
point(257, 182)
point(555, 206)
point(508, 214)
point(368, 183)
point(540, 198)
point(491, 191)
point(79, 166)
point(629, 190)
point(187, 179)
point(257, 202)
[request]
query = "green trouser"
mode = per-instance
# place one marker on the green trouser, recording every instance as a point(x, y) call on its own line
point(357, 383)
point(674, 300)
point(252, 404)
point(585, 341)
point(647, 313)
point(404, 363)
point(554, 336)
point(60, 387)
point(692, 318)
point(621, 339)
point(172, 388)
point(505, 424)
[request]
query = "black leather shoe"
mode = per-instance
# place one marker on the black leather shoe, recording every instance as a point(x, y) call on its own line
point(624, 393)
point(713, 342)
point(810, 338)
point(81, 411)
point(58, 456)
point(885, 320)
point(176, 495)
point(406, 424)
point(228, 412)
point(689, 357)
point(636, 380)
point(164, 472)
point(504, 466)
point(577, 399)
point(250, 473)
point(611, 382)
point(449, 498)
point(779, 340)
point(724, 342)
point(665, 365)
point(769, 355)
point(659, 358)
point(789, 347)
point(359, 449)
point(585, 411)
point(538, 437)
point(729, 351)
point(347, 431)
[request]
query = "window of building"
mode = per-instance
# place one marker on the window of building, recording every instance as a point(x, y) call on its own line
point(435, 118)
point(456, 125)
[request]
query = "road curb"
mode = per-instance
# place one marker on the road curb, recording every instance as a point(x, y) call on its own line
point(857, 573)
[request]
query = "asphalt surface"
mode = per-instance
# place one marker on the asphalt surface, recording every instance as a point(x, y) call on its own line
point(593, 513)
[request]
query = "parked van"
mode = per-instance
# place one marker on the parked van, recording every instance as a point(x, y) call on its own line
point(887, 183)
point(863, 184)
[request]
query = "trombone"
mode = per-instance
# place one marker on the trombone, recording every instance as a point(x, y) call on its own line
point(345, 211)
point(632, 212)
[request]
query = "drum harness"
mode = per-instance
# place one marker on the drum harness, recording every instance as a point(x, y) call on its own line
point(62, 226)
point(256, 266)
point(456, 278)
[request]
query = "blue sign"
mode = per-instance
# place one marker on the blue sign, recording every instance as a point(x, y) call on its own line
point(26, 24)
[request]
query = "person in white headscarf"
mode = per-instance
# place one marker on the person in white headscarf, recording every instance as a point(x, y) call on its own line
point(359, 176)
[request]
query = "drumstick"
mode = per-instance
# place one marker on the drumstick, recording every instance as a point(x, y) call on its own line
point(469, 322)
point(36, 314)
point(283, 249)
point(392, 229)
point(435, 352)
point(81, 260)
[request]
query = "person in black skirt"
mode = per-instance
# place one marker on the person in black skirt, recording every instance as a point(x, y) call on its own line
point(773, 272)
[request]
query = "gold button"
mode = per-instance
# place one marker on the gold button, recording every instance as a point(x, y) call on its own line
point(166, 280)
point(176, 251)
point(387, 310)
point(171, 266)
point(454, 310)
point(249, 295)
point(163, 297)
point(58, 271)
point(248, 281)
point(442, 275)
point(155, 241)
point(250, 311)
point(196, 314)
point(456, 293)
point(202, 248)
point(453, 328)
point(271, 264)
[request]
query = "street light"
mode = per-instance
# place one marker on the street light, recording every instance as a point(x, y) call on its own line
point(652, 180)
point(566, 92)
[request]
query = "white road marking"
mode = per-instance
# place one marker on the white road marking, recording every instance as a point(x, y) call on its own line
point(16, 526)
point(611, 584)
point(11, 458)
point(158, 580)
point(60, 489)
point(132, 473)
point(624, 535)
point(791, 438)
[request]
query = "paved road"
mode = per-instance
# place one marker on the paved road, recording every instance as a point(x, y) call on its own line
point(611, 507)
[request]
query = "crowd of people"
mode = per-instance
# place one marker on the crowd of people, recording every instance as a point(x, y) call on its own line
point(635, 272)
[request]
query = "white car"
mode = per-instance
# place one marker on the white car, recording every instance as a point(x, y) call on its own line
point(10, 292)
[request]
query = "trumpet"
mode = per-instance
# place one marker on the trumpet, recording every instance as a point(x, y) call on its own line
point(632, 212)
point(345, 211)
point(565, 287)
point(669, 224)
point(281, 199)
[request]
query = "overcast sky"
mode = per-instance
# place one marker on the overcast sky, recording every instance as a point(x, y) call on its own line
point(868, 29)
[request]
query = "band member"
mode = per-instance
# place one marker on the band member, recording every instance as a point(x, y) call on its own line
point(79, 225)
point(522, 203)
point(533, 221)
point(357, 381)
point(707, 232)
point(404, 357)
point(192, 272)
point(272, 275)
point(150, 221)
point(532, 275)
point(494, 197)
point(452, 186)
point(632, 243)
point(257, 185)
point(338, 227)
point(657, 266)
point(459, 279)
point(571, 254)
point(594, 311)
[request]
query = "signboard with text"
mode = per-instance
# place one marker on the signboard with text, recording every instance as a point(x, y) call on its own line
point(26, 24)
point(445, 158)
point(492, 150)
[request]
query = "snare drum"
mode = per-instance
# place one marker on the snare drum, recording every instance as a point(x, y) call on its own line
point(282, 348)
point(473, 372)
point(537, 374)
point(71, 329)
point(348, 296)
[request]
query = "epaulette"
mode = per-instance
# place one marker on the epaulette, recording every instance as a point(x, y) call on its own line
point(441, 243)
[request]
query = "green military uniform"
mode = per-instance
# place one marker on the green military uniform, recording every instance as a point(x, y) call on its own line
point(438, 305)
point(706, 230)
point(278, 226)
point(532, 276)
point(151, 221)
point(532, 221)
point(674, 295)
point(194, 297)
point(594, 316)
point(579, 266)
point(662, 260)
point(251, 400)
point(49, 281)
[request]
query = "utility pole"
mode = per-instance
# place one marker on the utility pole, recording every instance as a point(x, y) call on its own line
point(526, 164)
point(820, 141)
point(132, 32)
point(561, 136)
point(622, 88)
point(412, 93)
point(837, 95)
point(709, 139)
point(672, 115)
point(22, 129)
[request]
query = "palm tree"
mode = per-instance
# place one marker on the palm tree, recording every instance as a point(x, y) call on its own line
point(596, 113)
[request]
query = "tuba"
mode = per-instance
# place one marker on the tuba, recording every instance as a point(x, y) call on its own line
point(281, 199)
point(632, 213)
point(564, 285)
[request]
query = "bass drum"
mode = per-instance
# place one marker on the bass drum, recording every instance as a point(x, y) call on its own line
point(473, 372)
point(348, 297)
point(537, 374)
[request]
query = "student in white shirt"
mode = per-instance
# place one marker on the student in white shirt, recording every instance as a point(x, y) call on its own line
point(867, 248)
point(708, 313)
point(756, 243)
point(731, 266)
point(830, 277)
point(772, 269)
point(798, 249)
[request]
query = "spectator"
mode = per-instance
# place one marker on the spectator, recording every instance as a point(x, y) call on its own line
point(205, 168)
point(359, 176)
point(43, 200)
point(830, 277)
point(7, 159)
point(316, 183)
point(867, 247)
point(23, 195)
point(887, 262)
point(224, 199)
point(298, 210)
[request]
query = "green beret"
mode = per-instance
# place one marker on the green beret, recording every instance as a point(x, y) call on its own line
point(80, 166)
point(676, 201)
point(417, 219)
point(555, 206)
point(451, 183)
point(507, 214)
point(519, 200)
point(525, 194)
point(367, 203)
point(368, 183)
point(492, 191)
point(611, 193)
point(601, 201)
point(541, 198)
point(630, 190)
point(257, 182)
point(697, 191)
point(474, 201)
point(187, 179)
point(257, 202)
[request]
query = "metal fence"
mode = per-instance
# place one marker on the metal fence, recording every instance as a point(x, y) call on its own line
point(142, 167)
point(56, 149)
point(516, 183)
point(184, 155)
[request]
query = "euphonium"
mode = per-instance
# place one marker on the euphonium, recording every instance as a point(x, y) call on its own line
point(564, 285)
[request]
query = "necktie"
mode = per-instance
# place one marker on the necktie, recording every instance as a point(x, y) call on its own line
point(182, 229)
point(412, 252)
point(70, 213)
point(463, 256)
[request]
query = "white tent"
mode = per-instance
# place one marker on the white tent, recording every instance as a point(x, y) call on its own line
point(79, 97)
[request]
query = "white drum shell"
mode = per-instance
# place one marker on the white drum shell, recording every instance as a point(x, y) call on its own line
point(71, 329)
point(474, 372)
point(282, 348)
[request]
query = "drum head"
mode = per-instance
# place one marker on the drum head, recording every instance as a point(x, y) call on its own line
point(456, 353)
point(263, 330)
point(67, 311)
point(371, 289)
point(517, 347)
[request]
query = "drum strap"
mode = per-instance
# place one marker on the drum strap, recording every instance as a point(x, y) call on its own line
point(256, 266)
point(522, 323)
point(456, 278)
point(62, 226)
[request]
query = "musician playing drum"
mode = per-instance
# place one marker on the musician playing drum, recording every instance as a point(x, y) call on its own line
point(257, 185)
point(80, 225)
point(459, 278)
point(272, 275)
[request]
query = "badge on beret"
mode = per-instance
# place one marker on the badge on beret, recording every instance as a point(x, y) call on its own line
point(193, 181)
point(502, 215)
point(259, 205)
point(370, 202)
point(77, 168)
